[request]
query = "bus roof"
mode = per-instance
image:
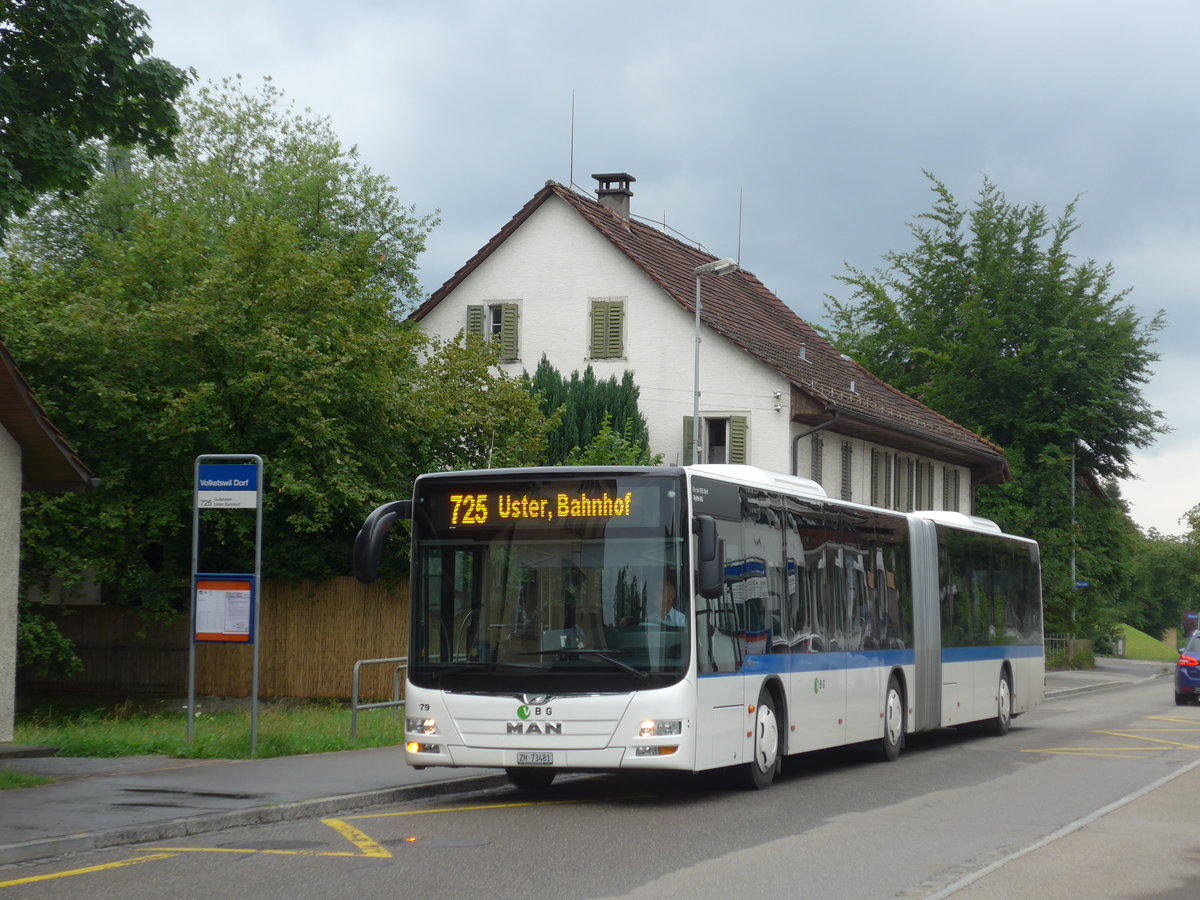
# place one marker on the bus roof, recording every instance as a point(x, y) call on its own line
point(760, 477)
point(958, 520)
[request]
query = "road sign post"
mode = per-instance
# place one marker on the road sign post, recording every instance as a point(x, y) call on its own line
point(224, 605)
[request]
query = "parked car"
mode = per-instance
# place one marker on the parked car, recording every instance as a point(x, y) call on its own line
point(1187, 672)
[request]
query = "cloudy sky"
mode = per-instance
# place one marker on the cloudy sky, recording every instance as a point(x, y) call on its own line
point(816, 120)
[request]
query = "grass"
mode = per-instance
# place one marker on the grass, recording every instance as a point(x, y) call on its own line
point(284, 729)
point(9, 780)
point(1139, 645)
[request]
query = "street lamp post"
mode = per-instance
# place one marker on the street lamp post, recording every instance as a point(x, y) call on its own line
point(716, 267)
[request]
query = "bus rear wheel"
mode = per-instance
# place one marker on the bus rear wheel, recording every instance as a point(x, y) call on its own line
point(893, 721)
point(531, 779)
point(1003, 720)
point(758, 774)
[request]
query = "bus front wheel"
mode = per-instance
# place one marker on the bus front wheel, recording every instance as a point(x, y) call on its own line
point(758, 774)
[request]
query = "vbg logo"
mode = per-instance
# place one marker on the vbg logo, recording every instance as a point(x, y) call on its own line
point(526, 712)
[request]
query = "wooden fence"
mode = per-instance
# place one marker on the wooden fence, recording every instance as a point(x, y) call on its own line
point(310, 636)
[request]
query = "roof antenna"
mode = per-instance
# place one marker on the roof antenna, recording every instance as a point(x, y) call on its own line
point(739, 240)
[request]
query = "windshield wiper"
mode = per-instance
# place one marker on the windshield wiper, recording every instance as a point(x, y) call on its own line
point(598, 654)
point(482, 666)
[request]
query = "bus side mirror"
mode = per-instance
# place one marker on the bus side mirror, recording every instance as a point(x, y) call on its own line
point(368, 545)
point(710, 557)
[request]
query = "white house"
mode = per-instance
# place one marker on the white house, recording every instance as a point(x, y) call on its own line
point(585, 283)
point(34, 456)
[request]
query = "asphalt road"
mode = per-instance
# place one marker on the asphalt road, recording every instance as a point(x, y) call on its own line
point(835, 825)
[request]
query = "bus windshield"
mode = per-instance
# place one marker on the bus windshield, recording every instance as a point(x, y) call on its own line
point(553, 585)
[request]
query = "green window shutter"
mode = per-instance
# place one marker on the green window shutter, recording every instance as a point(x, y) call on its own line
point(737, 439)
point(877, 477)
point(508, 332)
point(607, 318)
point(475, 320)
point(847, 470)
point(687, 440)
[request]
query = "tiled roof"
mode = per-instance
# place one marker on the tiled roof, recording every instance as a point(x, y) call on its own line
point(825, 384)
point(47, 462)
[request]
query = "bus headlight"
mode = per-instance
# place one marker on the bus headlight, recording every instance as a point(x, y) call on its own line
point(421, 726)
point(660, 728)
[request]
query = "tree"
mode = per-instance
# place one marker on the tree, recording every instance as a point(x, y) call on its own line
point(586, 403)
point(611, 448)
point(990, 321)
point(73, 72)
point(245, 297)
point(465, 413)
point(1165, 577)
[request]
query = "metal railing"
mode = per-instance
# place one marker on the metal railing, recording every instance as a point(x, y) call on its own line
point(400, 663)
point(1057, 644)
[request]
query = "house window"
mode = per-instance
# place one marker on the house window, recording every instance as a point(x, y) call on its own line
point(498, 322)
point(608, 319)
point(723, 439)
point(816, 468)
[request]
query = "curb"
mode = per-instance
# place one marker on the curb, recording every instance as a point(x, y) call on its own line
point(1102, 686)
point(48, 848)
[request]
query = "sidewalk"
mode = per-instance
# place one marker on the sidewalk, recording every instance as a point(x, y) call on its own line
point(108, 802)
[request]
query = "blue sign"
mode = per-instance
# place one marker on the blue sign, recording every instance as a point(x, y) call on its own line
point(1081, 584)
point(227, 486)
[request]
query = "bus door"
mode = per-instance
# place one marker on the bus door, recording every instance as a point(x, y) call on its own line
point(719, 685)
point(817, 665)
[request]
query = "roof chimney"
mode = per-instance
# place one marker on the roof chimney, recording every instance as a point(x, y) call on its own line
point(614, 192)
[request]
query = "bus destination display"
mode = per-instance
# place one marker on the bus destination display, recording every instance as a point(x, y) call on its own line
point(467, 509)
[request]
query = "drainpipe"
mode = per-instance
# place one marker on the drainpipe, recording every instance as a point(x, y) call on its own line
point(796, 440)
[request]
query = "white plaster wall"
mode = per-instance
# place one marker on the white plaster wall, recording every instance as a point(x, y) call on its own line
point(554, 266)
point(10, 534)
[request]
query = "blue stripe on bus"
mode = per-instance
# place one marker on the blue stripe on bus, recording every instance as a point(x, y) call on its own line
point(782, 663)
point(997, 651)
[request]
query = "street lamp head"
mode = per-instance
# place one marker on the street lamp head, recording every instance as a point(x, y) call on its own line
point(717, 267)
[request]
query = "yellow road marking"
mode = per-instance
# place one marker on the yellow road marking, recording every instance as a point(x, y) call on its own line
point(86, 871)
point(1145, 735)
point(365, 844)
point(367, 847)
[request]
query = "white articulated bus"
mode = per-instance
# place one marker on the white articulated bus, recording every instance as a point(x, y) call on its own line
point(697, 618)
